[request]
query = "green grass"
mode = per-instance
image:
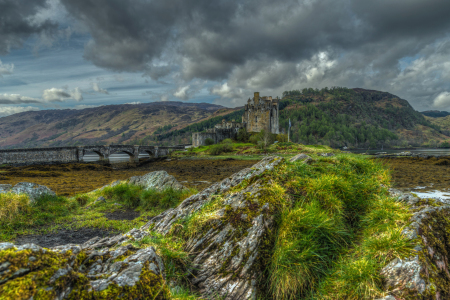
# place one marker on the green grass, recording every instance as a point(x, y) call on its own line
point(339, 232)
point(18, 216)
point(247, 151)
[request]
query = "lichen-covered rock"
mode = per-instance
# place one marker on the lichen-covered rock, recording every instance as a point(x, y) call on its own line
point(33, 190)
point(227, 247)
point(300, 156)
point(424, 275)
point(5, 188)
point(159, 180)
point(93, 270)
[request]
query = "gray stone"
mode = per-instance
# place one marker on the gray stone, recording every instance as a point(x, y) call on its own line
point(326, 154)
point(100, 199)
point(4, 246)
point(159, 180)
point(102, 272)
point(214, 258)
point(33, 190)
point(300, 156)
point(404, 274)
point(5, 188)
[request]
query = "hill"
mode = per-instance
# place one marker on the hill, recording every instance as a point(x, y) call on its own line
point(109, 124)
point(435, 113)
point(356, 118)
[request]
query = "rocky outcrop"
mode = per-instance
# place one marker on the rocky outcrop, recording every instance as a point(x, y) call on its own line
point(33, 190)
point(93, 270)
point(227, 244)
point(424, 275)
point(159, 180)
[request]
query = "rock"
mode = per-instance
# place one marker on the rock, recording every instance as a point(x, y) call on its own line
point(33, 190)
point(326, 154)
point(226, 250)
point(5, 188)
point(404, 274)
point(425, 274)
point(159, 180)
point(100, 199)
point(86, 270)
point(300, 156)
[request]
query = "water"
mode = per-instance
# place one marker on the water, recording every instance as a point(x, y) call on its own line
point(434, 152)
point(114, 158)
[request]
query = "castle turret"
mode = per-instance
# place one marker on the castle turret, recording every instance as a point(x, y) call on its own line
point(256, 97)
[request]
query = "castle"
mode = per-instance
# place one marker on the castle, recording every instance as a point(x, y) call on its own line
point(260, 113)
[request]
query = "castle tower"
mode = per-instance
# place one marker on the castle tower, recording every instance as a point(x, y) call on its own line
point(261, 114)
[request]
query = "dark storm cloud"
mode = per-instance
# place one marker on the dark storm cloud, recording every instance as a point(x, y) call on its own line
point(16, 23)
point(213, 37)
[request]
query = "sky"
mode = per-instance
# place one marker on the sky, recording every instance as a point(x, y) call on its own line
point(59, 54)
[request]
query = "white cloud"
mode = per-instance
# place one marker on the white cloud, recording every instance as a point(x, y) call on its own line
point(6, 111)
point(6, 69)
point(182, 92)
point(442, 100)
point(76, 94)
point(98, 89)
point(61, 95)
point(17, 99)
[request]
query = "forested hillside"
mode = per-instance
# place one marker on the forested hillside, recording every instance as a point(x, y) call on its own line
point(355, 118)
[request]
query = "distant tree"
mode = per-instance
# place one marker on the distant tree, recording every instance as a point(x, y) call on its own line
point(445, 144)
point(243, 135)
point(209, 141)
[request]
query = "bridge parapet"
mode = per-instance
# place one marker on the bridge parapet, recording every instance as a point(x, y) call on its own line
point(75, 154)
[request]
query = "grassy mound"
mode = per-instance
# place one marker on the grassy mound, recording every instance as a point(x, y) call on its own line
point(19, 216)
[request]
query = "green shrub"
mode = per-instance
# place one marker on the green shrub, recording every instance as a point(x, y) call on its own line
point(220, 148)
point(227, 141)
point(128, 194)
point(163, 199)
point(209, 142)
point(243, 135)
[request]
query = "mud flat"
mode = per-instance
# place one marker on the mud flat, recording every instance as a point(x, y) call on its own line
point(72, 179)
point(424, 174)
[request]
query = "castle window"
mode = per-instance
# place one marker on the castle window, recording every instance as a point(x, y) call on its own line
point(256, 119)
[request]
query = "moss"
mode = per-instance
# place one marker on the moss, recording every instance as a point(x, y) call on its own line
point(150, 286)
point(40, 271)
point(436, 230)
point(35, 283)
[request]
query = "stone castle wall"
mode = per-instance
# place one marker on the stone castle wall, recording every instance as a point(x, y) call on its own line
point(217, 135)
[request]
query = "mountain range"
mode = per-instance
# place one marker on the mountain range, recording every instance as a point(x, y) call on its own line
point(337, 116)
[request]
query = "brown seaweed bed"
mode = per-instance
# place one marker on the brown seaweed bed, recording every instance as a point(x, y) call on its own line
point(409, 173)
point(72, 179)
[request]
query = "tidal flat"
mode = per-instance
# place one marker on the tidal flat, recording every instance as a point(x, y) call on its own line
point(414, 174)
point(71, 179)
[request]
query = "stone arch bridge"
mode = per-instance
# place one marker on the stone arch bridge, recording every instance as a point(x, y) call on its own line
point(75, 154)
